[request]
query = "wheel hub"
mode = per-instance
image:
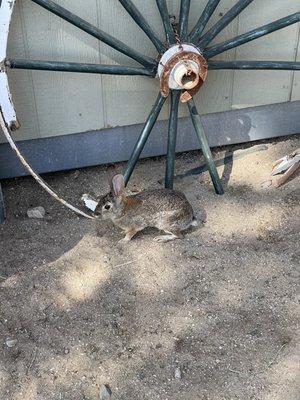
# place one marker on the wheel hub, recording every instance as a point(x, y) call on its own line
point(182, 67)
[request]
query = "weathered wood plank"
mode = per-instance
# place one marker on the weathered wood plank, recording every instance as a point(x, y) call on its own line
point(57, 103)
point(20, 82)
point(265, 87)
point(128, 100)
point(295, 89)
point(216, 93)
point(66, 103)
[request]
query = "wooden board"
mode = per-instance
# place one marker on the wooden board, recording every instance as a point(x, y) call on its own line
point(251, 88)
point(295, 90)
point(65, 103)
point(216, 94)
point(50, 104)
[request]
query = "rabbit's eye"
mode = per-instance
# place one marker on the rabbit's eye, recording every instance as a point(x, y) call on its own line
point(107, 206)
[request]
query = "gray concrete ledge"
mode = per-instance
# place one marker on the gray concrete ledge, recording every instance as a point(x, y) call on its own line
point(2, 208)
point(115, 144)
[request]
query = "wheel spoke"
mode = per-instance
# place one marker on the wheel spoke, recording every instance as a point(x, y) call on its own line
point(184, 18)
point(96, 32)
point(251, 35)
point(258, 65)
point(138, 148)
point(223, 22)
point(203, 20)
point(77, 67)
point(205, 147)
point(143, 24)
point(163, 9)
point(172, 136)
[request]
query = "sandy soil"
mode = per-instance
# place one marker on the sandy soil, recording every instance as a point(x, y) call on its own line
point(222, 304)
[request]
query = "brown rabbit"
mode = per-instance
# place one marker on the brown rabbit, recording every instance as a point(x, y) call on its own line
point(164, 209)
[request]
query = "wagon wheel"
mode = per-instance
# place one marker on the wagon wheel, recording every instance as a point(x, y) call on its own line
point(181, 68)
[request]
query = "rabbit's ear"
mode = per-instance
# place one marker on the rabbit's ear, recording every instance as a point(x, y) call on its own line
point(110, 173)
point(118, 184)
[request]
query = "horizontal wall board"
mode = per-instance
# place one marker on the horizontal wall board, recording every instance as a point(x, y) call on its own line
point(115, 144)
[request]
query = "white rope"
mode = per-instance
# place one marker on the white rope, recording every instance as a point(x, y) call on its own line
point(35, 175)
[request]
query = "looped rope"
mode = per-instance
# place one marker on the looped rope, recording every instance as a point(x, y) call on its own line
point(34, 174)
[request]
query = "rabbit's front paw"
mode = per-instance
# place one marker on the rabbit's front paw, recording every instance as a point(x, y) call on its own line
point(126, 239)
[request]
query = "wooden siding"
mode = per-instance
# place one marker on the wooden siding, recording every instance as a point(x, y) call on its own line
point(54, 103)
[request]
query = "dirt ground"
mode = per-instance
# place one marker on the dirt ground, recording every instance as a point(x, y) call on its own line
point(222, 304)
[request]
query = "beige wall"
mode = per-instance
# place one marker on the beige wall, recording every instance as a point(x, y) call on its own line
point(57, 103)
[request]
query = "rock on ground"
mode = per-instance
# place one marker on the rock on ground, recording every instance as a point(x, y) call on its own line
point(105, 392)
point(36, 212)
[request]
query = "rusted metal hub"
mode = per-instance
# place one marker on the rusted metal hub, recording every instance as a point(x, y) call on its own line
point(182, 67)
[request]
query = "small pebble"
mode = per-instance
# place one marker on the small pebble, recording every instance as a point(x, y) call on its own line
point(141, 376)
point(36, 212)
point(178, 374)
point(76, 174)
point(254, 332)
point(105, 392)
point(11, 342)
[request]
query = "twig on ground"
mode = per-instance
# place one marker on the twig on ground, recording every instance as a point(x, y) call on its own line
point(124, 264)
point(33, 358)
point(272, 361)
point(237, 372)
